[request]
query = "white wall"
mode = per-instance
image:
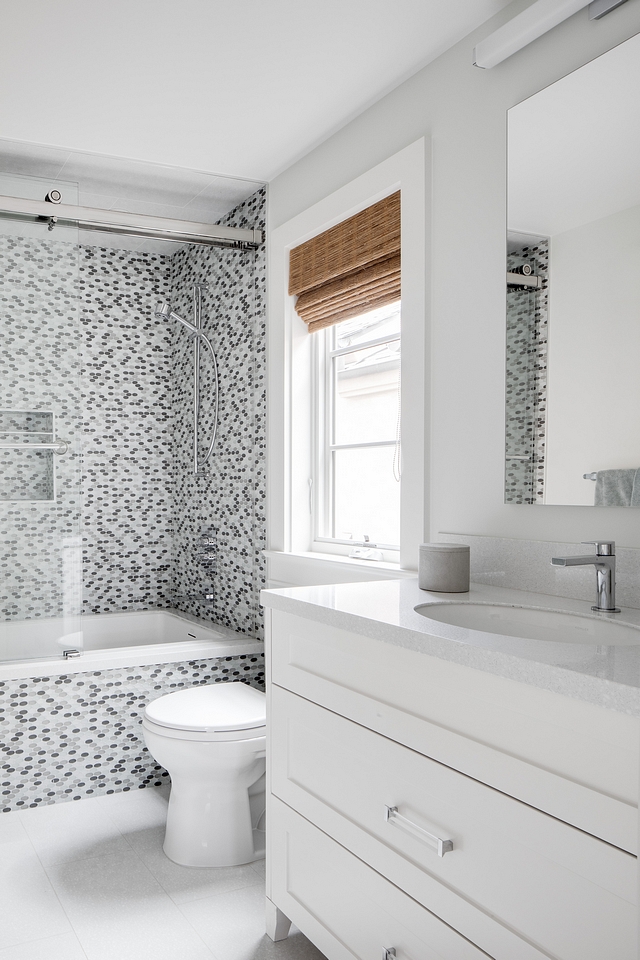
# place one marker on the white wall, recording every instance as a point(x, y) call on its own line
point(593, 403)
point(463, 109)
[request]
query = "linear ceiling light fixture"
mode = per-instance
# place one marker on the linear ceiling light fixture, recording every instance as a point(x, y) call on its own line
point(532, 23)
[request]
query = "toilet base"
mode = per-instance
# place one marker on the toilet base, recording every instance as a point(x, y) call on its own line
point(216, 826)
point(259, 850)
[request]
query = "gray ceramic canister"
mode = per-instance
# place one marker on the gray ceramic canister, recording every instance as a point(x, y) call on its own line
point(444, 567)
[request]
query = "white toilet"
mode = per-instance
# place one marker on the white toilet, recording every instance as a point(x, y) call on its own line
point(211, 739)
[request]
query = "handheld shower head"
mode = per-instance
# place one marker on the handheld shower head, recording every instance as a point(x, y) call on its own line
point(164, 312)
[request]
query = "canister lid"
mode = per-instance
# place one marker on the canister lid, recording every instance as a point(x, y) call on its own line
point(446, 547)
point(212, 707)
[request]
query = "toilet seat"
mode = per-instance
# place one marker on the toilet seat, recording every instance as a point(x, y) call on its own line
point(205, 736)
point(222, 711)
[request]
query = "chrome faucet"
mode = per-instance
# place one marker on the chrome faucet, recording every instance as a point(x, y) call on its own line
point(604, 561)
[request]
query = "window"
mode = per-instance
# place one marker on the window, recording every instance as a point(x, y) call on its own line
point(301, 523)
point(356, 410)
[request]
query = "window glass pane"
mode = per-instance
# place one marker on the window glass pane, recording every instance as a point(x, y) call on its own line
point(367, 495)
point(367, 394)
point(382, 322)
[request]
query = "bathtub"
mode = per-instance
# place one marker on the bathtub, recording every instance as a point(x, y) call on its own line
point(109, 640)
point(83, 715)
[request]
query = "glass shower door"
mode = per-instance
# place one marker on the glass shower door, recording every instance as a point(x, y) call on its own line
point(41, 407)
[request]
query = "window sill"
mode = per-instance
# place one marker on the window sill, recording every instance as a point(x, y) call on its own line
point(312, 569)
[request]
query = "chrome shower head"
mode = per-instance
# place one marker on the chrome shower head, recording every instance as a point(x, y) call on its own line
point(164, 312)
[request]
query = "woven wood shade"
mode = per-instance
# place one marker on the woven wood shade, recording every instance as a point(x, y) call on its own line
point(350, 269)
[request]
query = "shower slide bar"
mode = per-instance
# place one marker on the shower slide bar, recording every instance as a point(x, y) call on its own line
point(163, 311)
point(58, 446)
point(130, 224)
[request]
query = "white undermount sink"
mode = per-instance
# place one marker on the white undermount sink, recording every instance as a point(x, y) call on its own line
point(532, 623)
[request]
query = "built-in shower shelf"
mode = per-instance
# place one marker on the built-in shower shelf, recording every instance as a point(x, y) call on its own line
point(28, 446)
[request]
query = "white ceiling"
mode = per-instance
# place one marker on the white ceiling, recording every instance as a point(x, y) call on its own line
point(574, 147)
point(239, 88)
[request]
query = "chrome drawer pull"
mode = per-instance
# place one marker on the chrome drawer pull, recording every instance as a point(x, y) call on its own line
point(388, 953)
point(441, 847)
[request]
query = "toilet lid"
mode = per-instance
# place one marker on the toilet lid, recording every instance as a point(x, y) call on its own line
point(213, 707)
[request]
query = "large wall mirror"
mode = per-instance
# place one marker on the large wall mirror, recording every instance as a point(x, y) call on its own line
point(573, 288)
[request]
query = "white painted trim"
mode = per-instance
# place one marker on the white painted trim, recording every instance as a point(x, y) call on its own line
point(288, 351)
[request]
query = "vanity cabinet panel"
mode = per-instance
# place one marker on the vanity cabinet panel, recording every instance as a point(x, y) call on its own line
point(348, 909)
point(571, 759)
point(532, 873)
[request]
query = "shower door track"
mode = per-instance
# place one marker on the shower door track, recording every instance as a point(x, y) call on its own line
point(129, 224)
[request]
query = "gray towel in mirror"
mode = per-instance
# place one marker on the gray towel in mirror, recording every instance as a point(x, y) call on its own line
point(617, 488)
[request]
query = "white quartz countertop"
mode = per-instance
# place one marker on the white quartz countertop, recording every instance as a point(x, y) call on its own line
point(608, 676)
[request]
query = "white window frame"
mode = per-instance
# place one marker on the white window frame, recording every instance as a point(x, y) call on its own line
point(290, 415)
point(322, 426)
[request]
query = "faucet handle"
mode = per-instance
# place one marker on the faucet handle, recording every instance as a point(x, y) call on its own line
point(604, 548)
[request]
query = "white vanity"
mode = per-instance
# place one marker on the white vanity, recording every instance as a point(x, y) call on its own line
point(436, 791)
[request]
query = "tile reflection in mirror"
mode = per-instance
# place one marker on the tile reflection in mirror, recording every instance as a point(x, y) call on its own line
point(573, 393)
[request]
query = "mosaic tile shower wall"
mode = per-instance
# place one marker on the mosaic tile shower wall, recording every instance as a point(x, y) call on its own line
point(80, 340)
point(228, 502)
point(127, 441)
point(526, 379)
point(41, 363)
point(79, 735)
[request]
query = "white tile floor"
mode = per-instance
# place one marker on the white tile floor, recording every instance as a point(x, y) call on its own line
point(88, 880)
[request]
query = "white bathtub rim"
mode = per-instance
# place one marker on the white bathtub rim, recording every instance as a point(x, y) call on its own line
point(215, 629)
point(144, 655)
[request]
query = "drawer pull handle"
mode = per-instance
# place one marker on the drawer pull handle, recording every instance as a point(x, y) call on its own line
point(441, 847)
point(388, 953)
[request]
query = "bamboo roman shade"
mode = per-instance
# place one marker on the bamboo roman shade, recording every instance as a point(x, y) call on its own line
point(350, 269)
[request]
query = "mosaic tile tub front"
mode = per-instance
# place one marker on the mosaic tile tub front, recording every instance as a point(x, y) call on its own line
point(79, 735)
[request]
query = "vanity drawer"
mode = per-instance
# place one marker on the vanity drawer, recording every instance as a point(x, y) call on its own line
point(344, 906)
point(557, 888)
point(574, 760)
